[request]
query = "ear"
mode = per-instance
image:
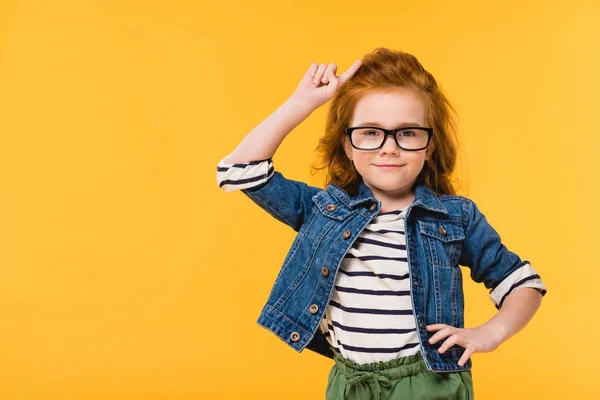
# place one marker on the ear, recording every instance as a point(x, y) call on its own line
point(347, 147)
point(430, 150)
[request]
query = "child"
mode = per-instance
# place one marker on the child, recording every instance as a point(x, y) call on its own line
point(372, 279)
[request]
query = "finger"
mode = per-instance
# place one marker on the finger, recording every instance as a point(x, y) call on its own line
point(465, 356)
point(350, 71)
point(327, 75)
point(448, 343)
point(312, 70)
point(447, 331)
point(319, 73)
point(333, 79)
point(436, 327)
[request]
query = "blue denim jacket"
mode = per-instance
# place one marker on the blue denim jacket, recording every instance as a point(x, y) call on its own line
point(442, 231)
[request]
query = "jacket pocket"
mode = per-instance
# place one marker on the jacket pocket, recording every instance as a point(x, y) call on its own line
point(443, 241)
point(327, 214)
point(331, 207)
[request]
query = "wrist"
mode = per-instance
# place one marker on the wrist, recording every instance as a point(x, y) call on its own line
point(497, 331)
point(301, 104)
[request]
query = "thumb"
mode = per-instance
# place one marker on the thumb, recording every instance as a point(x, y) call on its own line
point(334, 84)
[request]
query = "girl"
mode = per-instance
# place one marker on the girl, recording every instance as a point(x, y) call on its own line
point(372, 279)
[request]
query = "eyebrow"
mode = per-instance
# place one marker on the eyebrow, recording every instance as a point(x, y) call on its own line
point(399, 125)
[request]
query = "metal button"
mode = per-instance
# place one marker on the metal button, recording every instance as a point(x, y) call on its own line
point(443, 231)
point(331, 207)
point(346, 234)
point(295, 336)
point(313, 308)
point(373, 207)
point(325, 272)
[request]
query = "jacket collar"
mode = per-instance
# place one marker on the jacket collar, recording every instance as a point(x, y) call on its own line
point(424, 197)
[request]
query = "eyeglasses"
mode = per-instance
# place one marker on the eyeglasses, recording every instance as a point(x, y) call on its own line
point(411, 138)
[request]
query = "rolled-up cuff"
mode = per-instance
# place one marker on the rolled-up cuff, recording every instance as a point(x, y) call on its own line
point(524, 276)
point(232, 177)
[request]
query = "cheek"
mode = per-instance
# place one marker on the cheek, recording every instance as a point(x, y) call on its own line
point(361, 160)
point(415, 159)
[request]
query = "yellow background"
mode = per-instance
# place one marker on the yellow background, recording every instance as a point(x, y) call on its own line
point(128, 274)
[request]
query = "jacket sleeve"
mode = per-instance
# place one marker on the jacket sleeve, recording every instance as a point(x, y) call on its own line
point(491, 262)
point(287, 200)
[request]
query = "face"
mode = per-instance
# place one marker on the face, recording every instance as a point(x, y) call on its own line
point(389, 110)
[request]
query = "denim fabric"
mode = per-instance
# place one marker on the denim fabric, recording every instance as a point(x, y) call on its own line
point(442, 231)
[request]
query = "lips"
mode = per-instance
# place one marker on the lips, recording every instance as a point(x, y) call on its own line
point(388, 165)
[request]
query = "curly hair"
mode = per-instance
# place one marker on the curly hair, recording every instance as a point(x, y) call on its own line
point(389, 70)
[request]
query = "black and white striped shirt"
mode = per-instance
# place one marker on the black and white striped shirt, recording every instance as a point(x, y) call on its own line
point(370, 316)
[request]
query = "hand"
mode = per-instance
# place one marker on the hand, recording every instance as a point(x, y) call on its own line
point(482, 339)
point(320, 84)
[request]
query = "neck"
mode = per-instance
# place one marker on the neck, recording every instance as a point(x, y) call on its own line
point(393, 199)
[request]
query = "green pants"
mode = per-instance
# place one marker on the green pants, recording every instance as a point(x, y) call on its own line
point(402, 378)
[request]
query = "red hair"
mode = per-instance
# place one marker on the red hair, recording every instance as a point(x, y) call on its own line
point(388, 70)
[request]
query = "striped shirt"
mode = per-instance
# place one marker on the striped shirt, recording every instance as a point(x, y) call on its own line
point(370, 316)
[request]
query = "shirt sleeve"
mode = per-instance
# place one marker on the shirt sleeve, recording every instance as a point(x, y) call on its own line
point(232, 177)
point(287, 200)
point(524, 276)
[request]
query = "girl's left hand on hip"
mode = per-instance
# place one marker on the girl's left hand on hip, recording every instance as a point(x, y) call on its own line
point(475, 340)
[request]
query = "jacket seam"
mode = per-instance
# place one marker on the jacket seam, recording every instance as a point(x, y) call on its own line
point(275, 213)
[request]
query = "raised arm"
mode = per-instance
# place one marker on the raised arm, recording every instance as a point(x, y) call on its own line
point(317, 86)
point(249, 167)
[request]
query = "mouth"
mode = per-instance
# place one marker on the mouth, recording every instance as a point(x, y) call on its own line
point(388, 166)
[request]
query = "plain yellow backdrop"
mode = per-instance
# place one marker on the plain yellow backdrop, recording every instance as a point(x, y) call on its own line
point(128, 274)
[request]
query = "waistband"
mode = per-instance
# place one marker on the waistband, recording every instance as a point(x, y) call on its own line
point(393, 369)
point(379, 374)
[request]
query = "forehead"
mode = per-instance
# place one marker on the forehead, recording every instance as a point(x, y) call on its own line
point(389, 109)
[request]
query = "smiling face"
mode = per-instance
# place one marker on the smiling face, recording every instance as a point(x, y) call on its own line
point(389, 110)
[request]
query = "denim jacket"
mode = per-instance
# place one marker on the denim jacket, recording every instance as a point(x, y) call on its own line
point(442, 231)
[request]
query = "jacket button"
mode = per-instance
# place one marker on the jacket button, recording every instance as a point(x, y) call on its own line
point(346, 234)
point(324, 272)
point(443, 231)
point(295, 336)
point(373, 207)
point(313, 308)
point(331, 207)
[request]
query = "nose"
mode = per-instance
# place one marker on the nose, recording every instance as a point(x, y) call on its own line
point(389, 146)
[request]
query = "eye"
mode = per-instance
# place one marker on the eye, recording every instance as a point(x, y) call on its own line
point(372, 133)
point(408, 133)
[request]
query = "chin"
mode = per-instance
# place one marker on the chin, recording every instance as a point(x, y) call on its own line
point(388, 186)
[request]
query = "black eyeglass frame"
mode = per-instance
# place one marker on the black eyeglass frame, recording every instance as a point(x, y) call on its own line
point(390, 132)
